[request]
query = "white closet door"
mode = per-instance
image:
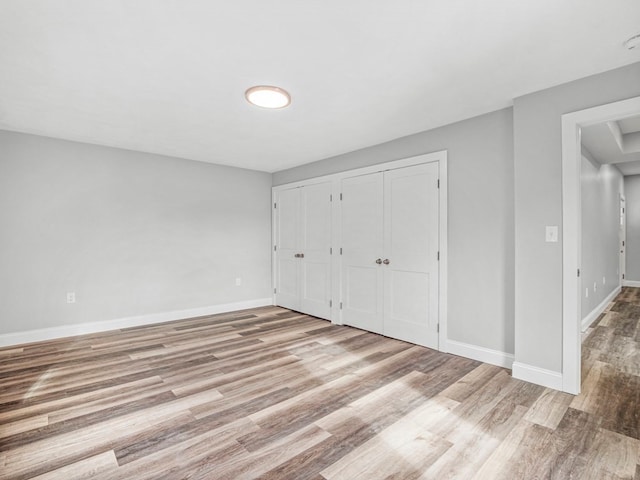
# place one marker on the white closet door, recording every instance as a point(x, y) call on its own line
point(315, 242)
point(362, 245)
point(411, 249)
point(287, 241)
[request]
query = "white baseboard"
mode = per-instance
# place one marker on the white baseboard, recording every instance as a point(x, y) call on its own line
point(486, 355)
point(29, 336)
point(630, 283)
point(539, 376)
point(595, 313)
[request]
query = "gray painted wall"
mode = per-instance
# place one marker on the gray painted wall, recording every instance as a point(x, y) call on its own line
point(538, 202)
point(480, 160)
point(601, 187)
point(130, 233)
point(632, 197)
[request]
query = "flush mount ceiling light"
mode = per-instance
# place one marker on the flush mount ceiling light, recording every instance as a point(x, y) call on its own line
point(632, 42)
point(266, 96)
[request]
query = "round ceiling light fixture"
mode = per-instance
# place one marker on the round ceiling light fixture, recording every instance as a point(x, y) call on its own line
point(632, 42)
point(267, 96)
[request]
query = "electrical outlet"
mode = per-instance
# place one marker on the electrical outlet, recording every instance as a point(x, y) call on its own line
point(238, 281)
point(604, 280)
point(586, 293)
point(71, 297)
point(595, 287)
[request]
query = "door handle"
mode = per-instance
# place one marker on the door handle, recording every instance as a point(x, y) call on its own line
point(301, 255)
point(379, 261)
point(386, 261)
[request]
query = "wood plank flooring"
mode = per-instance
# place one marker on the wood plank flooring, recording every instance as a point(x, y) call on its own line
point(272, 394)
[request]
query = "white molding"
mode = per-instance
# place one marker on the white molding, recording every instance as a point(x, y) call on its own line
point(622, 238)
point(482, 354)
point(378, 167)
point(17, 338)
point(595, 313)
point(539, 376)
point(443, 274)
point(571, 256)
point(571, 229)
point(631, 283)
point(274, 234)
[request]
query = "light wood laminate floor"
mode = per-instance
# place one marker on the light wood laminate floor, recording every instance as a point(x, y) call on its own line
point(272, 394)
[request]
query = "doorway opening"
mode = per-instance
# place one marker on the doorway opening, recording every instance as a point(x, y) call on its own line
point(572, 125)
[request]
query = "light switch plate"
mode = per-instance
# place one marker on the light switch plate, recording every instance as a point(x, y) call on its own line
point(551, 234)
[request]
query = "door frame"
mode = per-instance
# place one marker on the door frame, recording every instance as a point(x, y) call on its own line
point(622, 261)
point(441, 158)
point(571, 229)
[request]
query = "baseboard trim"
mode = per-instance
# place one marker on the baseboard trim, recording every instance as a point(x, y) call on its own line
point(595, 313)
point(631, 283)
point(539, 376)
point(29, 336)
point(486, 355)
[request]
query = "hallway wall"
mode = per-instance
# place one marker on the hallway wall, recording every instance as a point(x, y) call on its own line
point(602, 186)
point(632, 196)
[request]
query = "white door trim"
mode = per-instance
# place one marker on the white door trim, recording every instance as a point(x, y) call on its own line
point(622, 241)
point(571, 228)
point(441, 158)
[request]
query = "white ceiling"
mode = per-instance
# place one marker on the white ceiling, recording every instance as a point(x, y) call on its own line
point(168, 76)
point(615, 143)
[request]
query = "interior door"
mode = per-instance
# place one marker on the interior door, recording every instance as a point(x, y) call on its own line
point(623, 239)
point(315, 244)
point(411, 244)
point(287, 241)
point(362, 247)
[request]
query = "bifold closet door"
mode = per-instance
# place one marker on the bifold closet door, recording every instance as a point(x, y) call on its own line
point(303, 242)
point(362, 250)
point(315, 245)
point(287, 248)
point(411, 243)
point(389, 262)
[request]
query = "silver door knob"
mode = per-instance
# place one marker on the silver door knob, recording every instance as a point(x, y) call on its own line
point(386, 261)
point(379, 261)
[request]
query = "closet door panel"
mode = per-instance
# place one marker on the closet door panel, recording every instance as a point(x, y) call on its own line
point(408, 302)
point(288, 288)
point(287, 241)
point(362, 245)
point(315, 280)
point(411, 248)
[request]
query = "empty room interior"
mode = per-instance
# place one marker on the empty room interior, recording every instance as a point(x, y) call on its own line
point(319, 240)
